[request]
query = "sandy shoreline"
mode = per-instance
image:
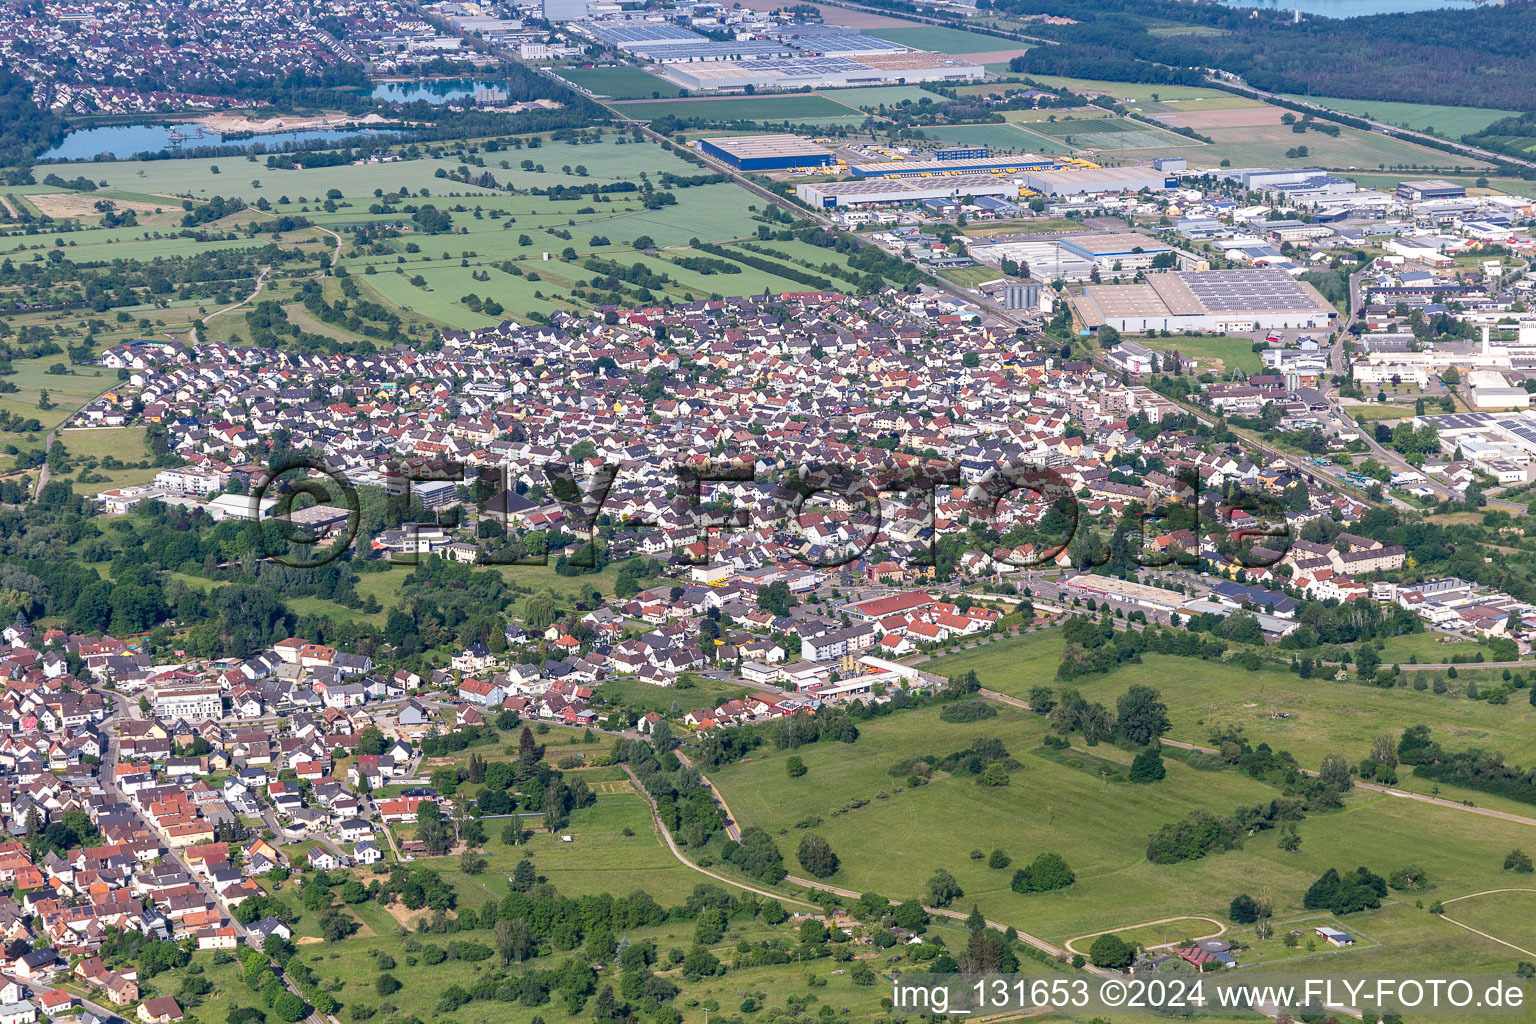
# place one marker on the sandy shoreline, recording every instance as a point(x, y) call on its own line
point(226, 124)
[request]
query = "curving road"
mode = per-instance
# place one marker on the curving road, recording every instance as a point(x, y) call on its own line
point(1474, 931)
point(1221, 929)
point(734, 831)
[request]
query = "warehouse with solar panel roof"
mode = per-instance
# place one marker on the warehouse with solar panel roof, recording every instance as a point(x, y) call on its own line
point(1205, 300)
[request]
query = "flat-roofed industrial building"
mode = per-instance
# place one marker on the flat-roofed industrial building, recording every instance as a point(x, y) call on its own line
point(1130, 250)
point(917, 168)
point(1124, 590)
point(1098, 180)
point(1207, 300)
point(767, 152)
point(825, 195)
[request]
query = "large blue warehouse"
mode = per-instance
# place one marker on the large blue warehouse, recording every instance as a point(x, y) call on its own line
point(766, 152)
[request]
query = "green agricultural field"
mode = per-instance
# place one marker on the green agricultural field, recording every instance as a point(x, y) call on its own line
point(126, 444)
point(871, 96)
point(891, 838)
point(605, 161)
point(946, 40)
point(620, 83)
point(1213, 353)
point(1450, 122)
point(67, 393)
point(1132, 91)
point(1352, 149)
point(1106, 133)
point(997, 136)
point(745, 108)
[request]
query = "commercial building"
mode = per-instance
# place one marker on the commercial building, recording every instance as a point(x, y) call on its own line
point(1098, 180)
point(1315, 187)
point(191, 702)
point(564, 10)
point(961, 153)
point(1131, 251)
point(1432, 188)
point(1262, 179)
point(807, 71)
point(958, 165)
point(1138, 594)
point(436, 493)
point(1209, 300)
point(767, 152)
point(1047, 259)
point(829, 194)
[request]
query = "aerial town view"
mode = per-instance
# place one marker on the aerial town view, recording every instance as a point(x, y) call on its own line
point(703, 512)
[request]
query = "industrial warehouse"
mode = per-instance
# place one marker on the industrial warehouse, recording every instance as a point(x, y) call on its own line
point(969, 163)
point(1209, 300)
point(725, 74)
point(1127, 250)
point(1099, 180)
point(767, 152)
point(829, 194)
point(816, 59)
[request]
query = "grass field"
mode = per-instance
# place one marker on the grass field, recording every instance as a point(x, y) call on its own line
point(1133, 91)
point(872, 96)
point(890, 838)
point(1106, 133)
point(969, 277)
point(620, 83)
point(126, 444)
point(744, 108)
point(997, 136)
point(1507, 914)
point(67, 392)
point(1319, 717)
point(1450, 122)
point(1212, 353)
point(1378, 412)
point(1352, 149)
point(670, 700)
